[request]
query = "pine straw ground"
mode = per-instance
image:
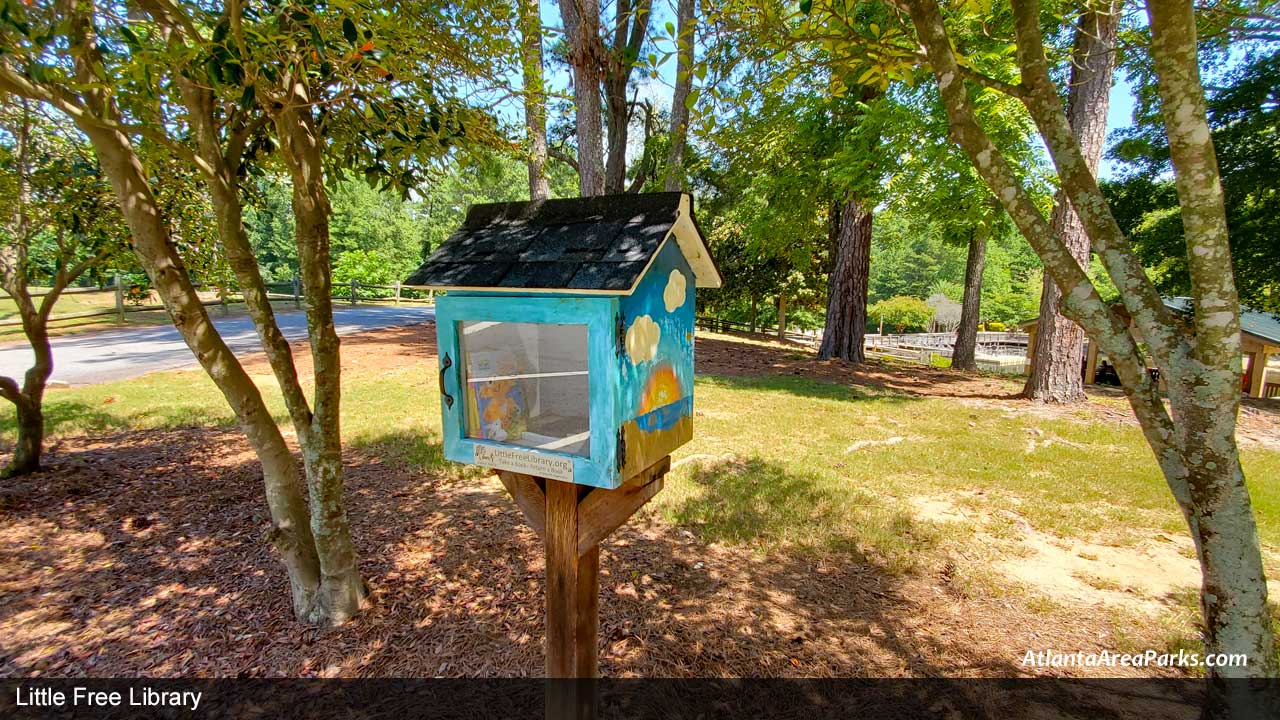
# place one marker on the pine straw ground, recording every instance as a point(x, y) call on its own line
point(142, 553)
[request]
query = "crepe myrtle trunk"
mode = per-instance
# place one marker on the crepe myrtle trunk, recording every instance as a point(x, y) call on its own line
point(846, 324)
point(28, 400)
point(586, 58)
point(966, 346)
point(1056, 364)
point(1201, 359)
point(342, 592)
point(286, 499)
point(535, 99)
point(1205, 389)
point(28, 403)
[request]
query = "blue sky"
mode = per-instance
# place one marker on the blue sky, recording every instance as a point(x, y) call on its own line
point(1119, 115)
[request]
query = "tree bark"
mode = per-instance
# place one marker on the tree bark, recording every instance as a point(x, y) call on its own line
point(342, 592)
point(586, 58)
point(1057, 362)
point(1205, 393)
point(846, 324)
point(631, 24)
point(687, 23)
point(782, 315)
point(153, 246)
point(535, 98)
point(1198, 455)
point(966, 346)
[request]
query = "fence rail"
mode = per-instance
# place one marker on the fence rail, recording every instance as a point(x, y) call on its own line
point(715, 324)
point(345, 291)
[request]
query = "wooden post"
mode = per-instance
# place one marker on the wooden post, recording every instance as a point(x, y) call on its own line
point(354, 290)
point(572, 520)
point(397, 292)
point(562, 578)
point(1257, 372)
point(297, 293)
point(119, 300)
point(1091, 365)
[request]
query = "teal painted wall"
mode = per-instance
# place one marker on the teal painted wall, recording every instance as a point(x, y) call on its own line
point(657, 361)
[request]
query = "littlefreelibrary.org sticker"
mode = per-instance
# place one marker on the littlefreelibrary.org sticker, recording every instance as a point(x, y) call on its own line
point(542, 465)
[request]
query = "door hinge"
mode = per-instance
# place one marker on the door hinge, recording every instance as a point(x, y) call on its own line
point(622, 450)
point(622, 335)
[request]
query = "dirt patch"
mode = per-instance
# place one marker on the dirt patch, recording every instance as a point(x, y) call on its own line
point(1148, 576)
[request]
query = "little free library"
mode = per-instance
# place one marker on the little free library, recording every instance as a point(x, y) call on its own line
point(565, 342)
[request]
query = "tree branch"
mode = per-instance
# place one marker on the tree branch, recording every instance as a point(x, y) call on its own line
point(1137, 292)
point(558, 154)
point(9, 390)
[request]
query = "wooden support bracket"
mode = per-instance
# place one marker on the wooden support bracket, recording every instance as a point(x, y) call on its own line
point(571, 520)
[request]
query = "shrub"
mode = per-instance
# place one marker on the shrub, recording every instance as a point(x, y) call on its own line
point(902, 313)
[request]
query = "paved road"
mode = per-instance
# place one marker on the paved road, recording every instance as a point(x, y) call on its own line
point(116, 354)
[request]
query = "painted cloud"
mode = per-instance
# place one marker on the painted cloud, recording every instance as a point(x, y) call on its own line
point(673, 296)
point(642, 339)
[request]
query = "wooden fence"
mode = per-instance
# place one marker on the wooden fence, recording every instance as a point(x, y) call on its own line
point(715, 324)
point(353, 292)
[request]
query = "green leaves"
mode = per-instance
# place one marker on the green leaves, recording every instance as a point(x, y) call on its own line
point(349, 31)
point(247, 97)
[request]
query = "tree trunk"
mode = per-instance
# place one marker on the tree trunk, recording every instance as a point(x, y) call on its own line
point(618, 118)
point(754, 313)
point(1197, 454)
point(962, 354)
point(687, 23)
point(782, 315)
point(286, 500)
point(28, 399)
point(586, 57)
point(1056, 364)
point(342, 592)
point(1205, 392)
point(631, 24)
point(535, 98)
point(27, 450)
point(846, 324)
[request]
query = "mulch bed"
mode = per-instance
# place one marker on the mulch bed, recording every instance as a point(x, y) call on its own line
point(142, 553)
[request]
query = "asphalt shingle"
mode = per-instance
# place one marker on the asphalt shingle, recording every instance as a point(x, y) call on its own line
point(596, 243)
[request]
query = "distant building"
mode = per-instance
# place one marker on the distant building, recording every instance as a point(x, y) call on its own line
point(1260, 339)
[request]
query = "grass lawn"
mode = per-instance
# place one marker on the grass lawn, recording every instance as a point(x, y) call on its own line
point(783, 462)
point(104, 300)
point(797, 470)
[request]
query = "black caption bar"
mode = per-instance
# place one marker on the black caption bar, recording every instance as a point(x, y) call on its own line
point(518, 699)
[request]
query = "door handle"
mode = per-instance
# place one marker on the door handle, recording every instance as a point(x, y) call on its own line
point(445, 364)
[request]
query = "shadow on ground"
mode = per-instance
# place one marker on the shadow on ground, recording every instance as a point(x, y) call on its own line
point(143, 554)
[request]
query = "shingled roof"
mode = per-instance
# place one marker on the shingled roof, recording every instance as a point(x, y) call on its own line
point(595, 244)
point(1263, 325)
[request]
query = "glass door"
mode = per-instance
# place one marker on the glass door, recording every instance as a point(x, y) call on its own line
point(526, 384)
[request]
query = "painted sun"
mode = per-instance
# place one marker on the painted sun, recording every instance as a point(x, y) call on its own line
point(662, 388)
